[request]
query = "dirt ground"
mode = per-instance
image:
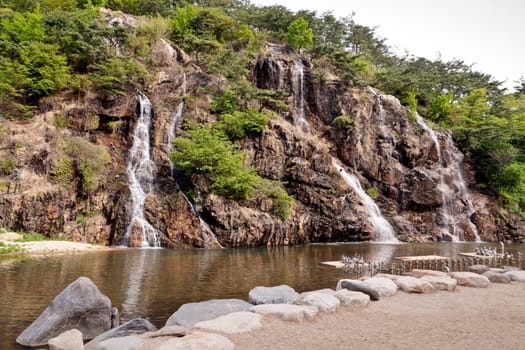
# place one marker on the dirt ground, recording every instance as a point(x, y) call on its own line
point(469, 318)
point(47, 247)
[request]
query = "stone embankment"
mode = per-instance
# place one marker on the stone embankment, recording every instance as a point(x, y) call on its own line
point(81, 312)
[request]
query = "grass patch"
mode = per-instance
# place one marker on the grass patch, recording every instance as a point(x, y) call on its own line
point(373, 193)
point(31, 237)
point(8, 248)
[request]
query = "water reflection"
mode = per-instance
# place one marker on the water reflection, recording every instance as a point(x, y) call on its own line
point(153, 283)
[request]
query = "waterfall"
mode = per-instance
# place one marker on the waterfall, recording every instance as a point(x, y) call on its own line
point(140, 173)
point(169, 148)
point(383, 231)
point(298, 91)
point(457, 163)
point(385, 132)
point(379, 101)
point(174, 120)
point(454, 168)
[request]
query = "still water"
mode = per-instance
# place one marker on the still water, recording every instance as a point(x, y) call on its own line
point(153, 283)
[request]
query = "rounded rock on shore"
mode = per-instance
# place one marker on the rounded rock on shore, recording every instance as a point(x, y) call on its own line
point(282, 294)
point(189, 314)
point(80, 305)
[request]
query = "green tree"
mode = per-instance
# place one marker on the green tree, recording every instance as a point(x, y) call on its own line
point(112, 75)
point(238, 125)
point(299, 34)
point(208, 151)
point(48, 71)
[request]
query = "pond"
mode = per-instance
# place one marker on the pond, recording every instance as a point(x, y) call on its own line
point(153, 283)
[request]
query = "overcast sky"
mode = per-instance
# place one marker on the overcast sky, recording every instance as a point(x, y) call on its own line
point(487, 33)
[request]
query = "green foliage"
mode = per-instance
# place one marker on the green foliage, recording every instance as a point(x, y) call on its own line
point(64, 172)
point(53, 5)
point(225, 102)
point(7, 164)
point(411, 100)
point(181, 23)
point(20, 28)
point(48, 71)
point(80, 37)
point(199, 29)
point(60, 121)
point(208, 151)
point(343, 122)
point(299, 34)
point(9, 248)
point(238, 125)
point(227, 63)
point(372, 192)
point(281, 200)
point(88, 161)
point(112, 75)
point(244, 35)
point(441, 107)
point(32, 237)
point(153, 28)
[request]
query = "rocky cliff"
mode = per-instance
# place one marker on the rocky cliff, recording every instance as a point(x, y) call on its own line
point(418, 178)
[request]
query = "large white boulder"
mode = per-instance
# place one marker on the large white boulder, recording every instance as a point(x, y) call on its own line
point(517, 275)
point(189, 314)
point(384, 286)
point(496, 277)
point(323, 301)
point(357, 286)
point(471, 279)
point(414, 285)
point(348, 297)
point(417, 273)
point(236, 322)
point(282, 294)
point(441, 282)
point(196, 341)
point(69, 340)
point(287, 312)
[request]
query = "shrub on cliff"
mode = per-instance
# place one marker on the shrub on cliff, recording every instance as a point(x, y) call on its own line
point(238, 125)
point(207, 150)
point(84, 160)
point(281, 200)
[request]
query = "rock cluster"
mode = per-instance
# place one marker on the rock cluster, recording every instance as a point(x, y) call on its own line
point(82, 312)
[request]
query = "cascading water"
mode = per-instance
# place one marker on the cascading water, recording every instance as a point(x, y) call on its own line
point(169, 148)
point(449, 215)
point(174, 120)
point(140, 173)
point(299, 118)
point(457, 162)
point(386, 132)
point(383, 231)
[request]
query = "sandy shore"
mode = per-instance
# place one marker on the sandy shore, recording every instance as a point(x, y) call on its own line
point(469, 318)
point(47, 247)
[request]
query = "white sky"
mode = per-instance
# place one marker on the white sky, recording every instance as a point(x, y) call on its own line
point(487, 33)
